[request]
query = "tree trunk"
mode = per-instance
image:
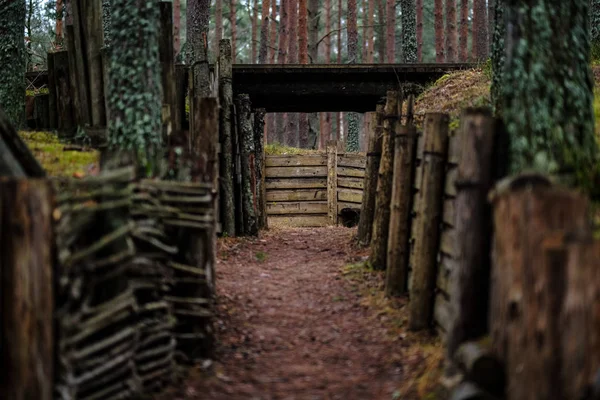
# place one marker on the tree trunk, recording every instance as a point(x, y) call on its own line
point(167, 68)
point(198, 15)
point(352, 141)
point(409, 31)
point(259, 167)
point(233, 23)
point(176, 27)
point(12, 61)
point(439, 31)
point(419, 18)
point(549, 116)
point(227, 168)
point(314, 129)
point(264, 33)
point(247, 163)
point(595, 29)
point(338, 121)
point(451, 37)
point(218, 26)
point(254, 28)
point(491, 13)
point(27, 285)
point(280, 121)
point(381, 32)
point(59, 22)
point(273, 34)
point(303, 59)
point(498, 57)
point(292, 128)
point(135, 89)
point(480, 34)
point(463, 53)
point(325, 132)
point(381, 221)
point(400, 209)
point(391, 31)
point(370, 32)
point(426, 232)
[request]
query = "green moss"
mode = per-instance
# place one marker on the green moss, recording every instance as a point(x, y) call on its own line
point(441, 80)
point(276, 149)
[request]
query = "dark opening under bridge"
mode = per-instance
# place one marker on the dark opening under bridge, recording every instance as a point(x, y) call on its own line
point(329, 87)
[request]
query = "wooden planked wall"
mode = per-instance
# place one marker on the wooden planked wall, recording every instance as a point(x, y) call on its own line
point(296, 187)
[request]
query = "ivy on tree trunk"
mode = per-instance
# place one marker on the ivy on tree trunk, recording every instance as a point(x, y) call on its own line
point(498, 55)
point(12, 60)
point(548, 103)
point(135, 89)
point(409, 30)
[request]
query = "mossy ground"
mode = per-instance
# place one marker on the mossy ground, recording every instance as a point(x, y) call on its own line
point(51, 154)
point(276, 149)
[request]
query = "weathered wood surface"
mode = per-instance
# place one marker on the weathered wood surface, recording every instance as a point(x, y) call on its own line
point(308, 160)
point(26, 285)
point(77, 66)
point(297, 195)
point(480, 366)
point(351, 183)
point(426, 240)
point(259, 149)
point(63, 101)
point(381, 220)
point(246, 136)
point(472, 224)
point(167, 68)
point(295, 183)
point(90, 14)
point(332, 209)
point(304, 207)
point(296, 172)
point(528, 283)
point(352, 160)
point(367, 212)
point(226, 126)
point(52, 107)
point(350, 195)
point(400, 207)
point(351, 172)
point(15, 158)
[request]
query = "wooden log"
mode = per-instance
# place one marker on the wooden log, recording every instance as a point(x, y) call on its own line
point(351, 183)
point(352, 161)
point(472, 224)
point(52, 108)
point(435, 147)
point(351, 172)
point(400, 208)
point(296, 195)
point(226, 121)
point(332, 148)
point(367, 210)
point(167, 68)
point(296, 172)
point(480, 365)
point(350, 195)
point(525, 283)
point(247, 162)
point(379, 238)
point(90, 12)
point(295, 183)
point(27, 287)
point(303, 207)
point(65, 121)
point(259, 150)
point(308, 160)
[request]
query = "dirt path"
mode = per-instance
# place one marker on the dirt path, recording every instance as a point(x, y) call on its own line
point(293, 326)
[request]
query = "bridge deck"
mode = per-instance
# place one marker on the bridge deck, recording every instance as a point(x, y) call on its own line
point(316, 87)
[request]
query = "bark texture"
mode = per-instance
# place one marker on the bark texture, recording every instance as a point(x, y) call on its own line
point(314, 129)
point(292, 58)
point(498, 56)
point(233, 23)
point(451, 34)
point(264, 33)
point(480, 30)
point(12, 60)
point(390, 23)
point(463, 52)
point(226, 125)
point(352, 141)
point(247, 163)
point(409, 31)
point(438, 10)
point(198, 17)
point(381, 31)
point(218, 26)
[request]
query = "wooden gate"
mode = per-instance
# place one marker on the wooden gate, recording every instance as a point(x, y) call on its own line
point(297, 188)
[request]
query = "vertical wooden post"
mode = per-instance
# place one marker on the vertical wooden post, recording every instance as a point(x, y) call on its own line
point(167, 67)
point(26, 290)
point(367, 209)
point(381, 221)
point(259, 150)
point(470, 279)
point(63, 99)
point(226, 121)
point(52, 108)
point(528, 276)
point(237, 176)
point(400, 208)
point(332, 212)
point(247, 162)
point(178, 114)
point(78, 65)
point(435, 147)
point(90, 12)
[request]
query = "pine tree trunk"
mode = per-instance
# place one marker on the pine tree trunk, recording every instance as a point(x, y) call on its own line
point(218, 26)
point(233, 23)
point(293, 118)
point(12, 61)
point(595, 29)
point(409, 31)
point(338, 124)
point(59, 21)
point(365, 24)
point(176, 27)
point(273, 34)
point(451, 37)
point(498, 57)
point(313, 55)
point(198, 16)
point(491, 13)
point(352, 142)
point(480, 34)
point(371, 32)
point(246, 132)
point(303, 59)
point(264, 33)
point(419, 18)
point(325, 132)
point(254, 28)
point(391, 31)
point(439, 31)
point(549, 115)
point(280, 120)
point(463, 53)
point(135, 89)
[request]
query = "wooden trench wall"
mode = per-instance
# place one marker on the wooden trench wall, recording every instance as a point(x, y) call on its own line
point(302, 189)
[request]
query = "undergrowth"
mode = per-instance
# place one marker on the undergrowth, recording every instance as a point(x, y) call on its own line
point(277, 149)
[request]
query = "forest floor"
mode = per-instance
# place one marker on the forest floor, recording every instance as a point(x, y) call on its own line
point(300, 317)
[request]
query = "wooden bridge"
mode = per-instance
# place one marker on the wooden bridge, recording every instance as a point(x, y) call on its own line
point(327, 87)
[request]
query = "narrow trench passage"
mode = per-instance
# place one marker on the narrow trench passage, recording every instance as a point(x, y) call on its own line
point(292, 324)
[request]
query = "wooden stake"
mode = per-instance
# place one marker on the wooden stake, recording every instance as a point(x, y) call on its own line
point(27, 289)
point(367, 210)
point(400, 208)
point(52, 107)
point(247, 162)
point(259, 149)
point(90, 13)
point(63, 101)
point(332, 150)
point(381, 221)
point(470, 279)
point(435, 147)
